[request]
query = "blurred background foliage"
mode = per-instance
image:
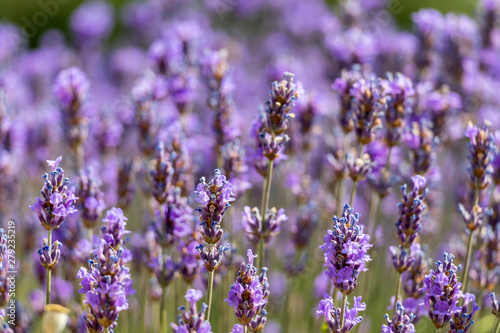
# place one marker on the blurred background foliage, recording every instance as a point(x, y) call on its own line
point(20, 11)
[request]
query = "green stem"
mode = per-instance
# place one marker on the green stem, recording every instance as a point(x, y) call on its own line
point(342, 310)
point(49, 272)
point(263, 211)
point(438, 330)
point(398, 288)
point(353, 192)
point(90, 234)
point(209, 293)
point(497, 327)
point(388, 161)
point(340, 194)
point(163, 312)
point(465, 277)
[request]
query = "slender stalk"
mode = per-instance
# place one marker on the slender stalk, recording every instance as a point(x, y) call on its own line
point(245, 329)
point(497, 327)
point(398, 289)
point(263, 211)
point(163, 312)
point(388, 160)
point(90, 234)
point(49, 272)
point(209, 293)
point(342, 310)
point(340, 194)
point(353, 192)
point(438, 330)
point(465, 277)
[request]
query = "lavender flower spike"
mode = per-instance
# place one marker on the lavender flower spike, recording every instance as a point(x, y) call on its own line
point(57, 200)
point(49, 259)
point(249, 295)
point(90, 198)
point(400, 322)
point(462, 319)
point(442, 292)
point(256, 229)
point(480, 145)
point(108, 282)
point(410, 211)
point(332, 314)
point(346, 248)
point(214, 198)
point(192, 320)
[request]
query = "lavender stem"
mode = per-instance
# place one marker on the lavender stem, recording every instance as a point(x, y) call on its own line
point(465, 277)
point(342, 310)
point(209, 293)
point(340, 194)
point(265, 204)
point(398, 288)
point(163, 312)
point(497, 327)
point(49, 271)
point(353, 192)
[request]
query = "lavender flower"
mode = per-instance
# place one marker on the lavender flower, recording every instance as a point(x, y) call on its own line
point(189, 263)
point(368, 107)
point(108, 282)
point(161, 174)
point(473, 219)
point(410, 212)
point(400, 321)
point(90, 198)
point(440, 105)
point(399, 92)
point(307, 221)
point(57, 200)
point(358, 166)
point(332, 314)
point(256, 228)
point(442, 291)
point(125, 180)
point(413, 278)
point(421, 141)
point(345, 251)
point(70, 88)
point(479, 147)
point(214, 198)
point(249, 295)
point(192, 320)
point(343, 86)
point(49, 257)
point(462, 319)
point(235, 167)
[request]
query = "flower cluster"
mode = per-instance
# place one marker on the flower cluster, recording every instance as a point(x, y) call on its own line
point(249, 295)
point(462, 319)
point(277, 115)
point(442, 292)
point(257, 229)
point(421, 141)
point(90, 198)
point(57, 200)
point(214, 198)
point(345, 251)
point(161, 174)
point(400, 321)
point(343, 86)
point(190, 320)
point(107, 283)
point(332, 314)
point(70, 88)
point(479, 147)
point(410, 212)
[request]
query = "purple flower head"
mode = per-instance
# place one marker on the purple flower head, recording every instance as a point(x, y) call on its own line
point(283, 95)
point(189, 319)
point(343, 86)
point(92, 21)
point(399, 94)
point(480, 149)
point(369, 104)
point(439, 106)
point(189, 263)
point(412, 279)
point(90, 198)
point(421, 141)
point(237, 328)
point(249, 295)
point(107, 283)
point(307, 222)
point(256, 229)
point(462, 319)
point(410, 212)
point(70, 89)
point(57, 201)
point(345, 251)
point(176, 221)
point(358, 166)
point(212, 256)
point(442, 292)
point(400, 321)
point(235, 166)
point(401, 259)
point(49, 257)
point(125, 181)
point(332, 314)
point(214, 198)
point(161, 174)
point(474, 219)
